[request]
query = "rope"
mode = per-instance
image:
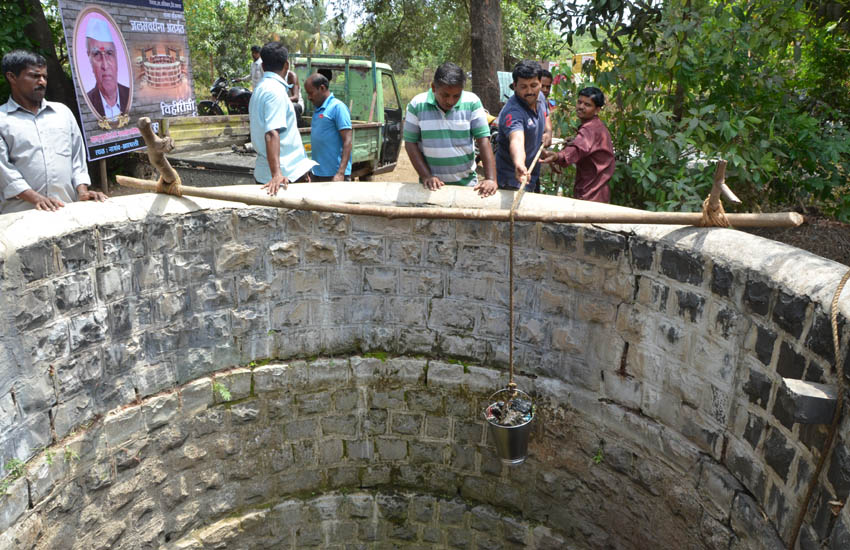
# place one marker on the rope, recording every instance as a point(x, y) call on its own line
point(517, 198)
point(836, 417)
point(713, 215)
point(173, 188)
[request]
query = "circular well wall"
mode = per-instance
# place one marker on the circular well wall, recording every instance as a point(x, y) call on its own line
point(655, 355)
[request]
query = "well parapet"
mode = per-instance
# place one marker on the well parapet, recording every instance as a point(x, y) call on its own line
point(656, 355)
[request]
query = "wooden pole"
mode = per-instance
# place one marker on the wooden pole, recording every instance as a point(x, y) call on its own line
point(104, 181)
point(782, 219)
point(719, 187)
point(169, 180)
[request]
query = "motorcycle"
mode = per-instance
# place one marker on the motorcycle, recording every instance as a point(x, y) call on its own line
point(494, 137)
point(235, 98)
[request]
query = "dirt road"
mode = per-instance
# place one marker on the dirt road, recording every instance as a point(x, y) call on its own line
point(403, 172)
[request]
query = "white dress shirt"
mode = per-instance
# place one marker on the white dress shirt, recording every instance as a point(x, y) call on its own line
point(43, 152)
point(113, 111)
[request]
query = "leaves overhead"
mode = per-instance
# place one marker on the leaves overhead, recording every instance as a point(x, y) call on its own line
point(762, 84)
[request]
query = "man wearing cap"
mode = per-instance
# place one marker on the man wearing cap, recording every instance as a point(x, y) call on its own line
point(108, 98)
point(42, 158)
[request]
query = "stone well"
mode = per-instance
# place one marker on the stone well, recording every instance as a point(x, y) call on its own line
point(188, 374)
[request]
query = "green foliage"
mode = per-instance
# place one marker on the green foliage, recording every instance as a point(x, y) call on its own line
point(54, 22)
point(381, 355)
point(14, 17)
point(219, 40)
point(407, 33)
point(399, 31)
point(222, 391)
point(309, 30)
point(526, 32)
point(598, 457)
point(755, 82)
point(16, 469)
point(70, 455)
point(221, 33)
point(417, 77)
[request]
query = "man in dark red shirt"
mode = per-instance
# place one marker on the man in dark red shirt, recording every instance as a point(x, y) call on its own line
point(592, 150)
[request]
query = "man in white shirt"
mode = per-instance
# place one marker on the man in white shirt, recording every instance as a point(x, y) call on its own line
point(108, 98)
point(42, 157)
point(256, 67)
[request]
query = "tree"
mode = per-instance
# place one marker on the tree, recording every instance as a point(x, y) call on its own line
point(59, 84)
point(220, 39)
point(697, 80)
point(485, 24)
point(24, 25)
point(307, 28)
point(400, 30)
point(527, 32)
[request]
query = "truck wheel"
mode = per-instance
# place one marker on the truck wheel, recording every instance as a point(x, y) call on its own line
point(209, 108)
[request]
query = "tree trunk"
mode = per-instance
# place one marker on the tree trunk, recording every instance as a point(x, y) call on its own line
point(59, 85)
point(485, 24)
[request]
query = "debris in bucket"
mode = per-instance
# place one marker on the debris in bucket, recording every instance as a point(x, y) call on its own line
point(515, 412)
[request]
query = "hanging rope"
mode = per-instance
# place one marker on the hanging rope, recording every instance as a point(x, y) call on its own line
point(517, 198)
point(836, 417)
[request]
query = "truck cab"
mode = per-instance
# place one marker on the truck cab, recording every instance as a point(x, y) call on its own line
point(211, 150)
point(369, 90)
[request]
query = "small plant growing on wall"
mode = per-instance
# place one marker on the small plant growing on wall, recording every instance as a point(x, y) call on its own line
point(16, 471)
point(598, 457)
point(222, 391)
point(70, 455)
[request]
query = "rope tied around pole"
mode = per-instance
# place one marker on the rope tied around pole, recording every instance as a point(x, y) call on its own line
point(169, 180)
point(836, 416)
point(713, 214)
point(174, 188)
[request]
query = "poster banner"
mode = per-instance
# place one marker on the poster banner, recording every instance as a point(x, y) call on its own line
point(129, 59)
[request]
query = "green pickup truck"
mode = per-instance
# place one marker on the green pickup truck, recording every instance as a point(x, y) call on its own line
point(210, 150)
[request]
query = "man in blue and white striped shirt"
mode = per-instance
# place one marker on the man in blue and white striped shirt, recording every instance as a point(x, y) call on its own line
point(439, 130)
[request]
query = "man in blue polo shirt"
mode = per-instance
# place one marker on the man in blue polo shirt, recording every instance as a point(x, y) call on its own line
point(523, 124)
point(330, 132)
point(274, 130)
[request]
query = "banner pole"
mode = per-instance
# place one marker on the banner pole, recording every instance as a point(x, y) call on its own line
point(104, 182)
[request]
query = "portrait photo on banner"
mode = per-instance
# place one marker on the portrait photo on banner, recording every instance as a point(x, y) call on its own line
point(102, 64)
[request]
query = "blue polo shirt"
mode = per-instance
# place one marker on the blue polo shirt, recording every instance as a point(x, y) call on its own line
point(517, 117)
point(325, 138)
point(271, 109)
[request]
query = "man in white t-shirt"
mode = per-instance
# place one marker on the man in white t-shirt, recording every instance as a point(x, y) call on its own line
point(256, 67)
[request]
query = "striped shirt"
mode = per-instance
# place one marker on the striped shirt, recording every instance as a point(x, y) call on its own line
point(447, 139)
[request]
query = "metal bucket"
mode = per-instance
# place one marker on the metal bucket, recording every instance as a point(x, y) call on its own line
point(511, 441)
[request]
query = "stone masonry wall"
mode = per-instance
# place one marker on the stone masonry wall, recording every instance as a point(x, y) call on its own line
point(367, 452)
point(657, 353)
